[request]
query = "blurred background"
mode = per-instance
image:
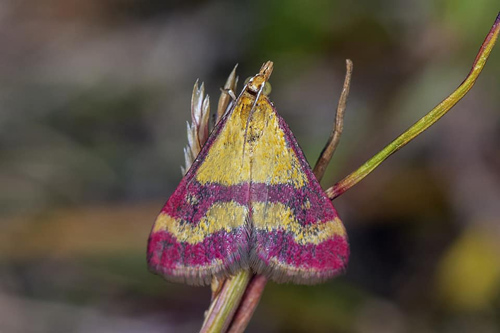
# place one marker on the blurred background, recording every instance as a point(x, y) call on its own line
point(94, 98)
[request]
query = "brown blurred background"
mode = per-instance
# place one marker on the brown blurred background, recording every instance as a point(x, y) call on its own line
point(94, 97)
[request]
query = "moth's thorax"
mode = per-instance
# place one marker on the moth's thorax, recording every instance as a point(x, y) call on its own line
point(254, 116)
point(257, 83)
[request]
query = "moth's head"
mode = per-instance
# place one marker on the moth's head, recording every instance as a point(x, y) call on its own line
point(259, 82)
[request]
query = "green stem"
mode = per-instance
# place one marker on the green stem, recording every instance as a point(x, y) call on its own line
point(424, 123)
point(248, 304)
point(221, 311)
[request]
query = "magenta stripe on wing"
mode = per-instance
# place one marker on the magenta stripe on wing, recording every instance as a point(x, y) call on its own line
point(319, 208)
point(190, 203)
point(205, 196)
point(328, 256)
point(166, 253)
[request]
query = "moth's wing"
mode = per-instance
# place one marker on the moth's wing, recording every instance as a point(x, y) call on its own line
point(297, 234)
point(202, 231)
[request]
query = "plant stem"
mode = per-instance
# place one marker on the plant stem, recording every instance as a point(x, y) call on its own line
point(425, 122)
point(338, 125)
point(248, 304)
point(225, 303)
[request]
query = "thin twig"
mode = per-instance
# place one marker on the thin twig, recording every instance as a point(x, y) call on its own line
point(248, 304)
point(333, 140)
point(425, 122)
point(225, 303)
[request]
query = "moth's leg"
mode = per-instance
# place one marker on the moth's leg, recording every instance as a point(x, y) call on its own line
point(227, 94)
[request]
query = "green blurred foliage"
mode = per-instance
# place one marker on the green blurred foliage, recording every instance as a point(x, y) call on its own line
point(469, 272)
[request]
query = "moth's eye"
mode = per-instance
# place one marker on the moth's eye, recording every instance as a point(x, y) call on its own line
point(267, 86)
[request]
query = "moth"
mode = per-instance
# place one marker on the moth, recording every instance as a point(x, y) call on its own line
point(249, 201)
